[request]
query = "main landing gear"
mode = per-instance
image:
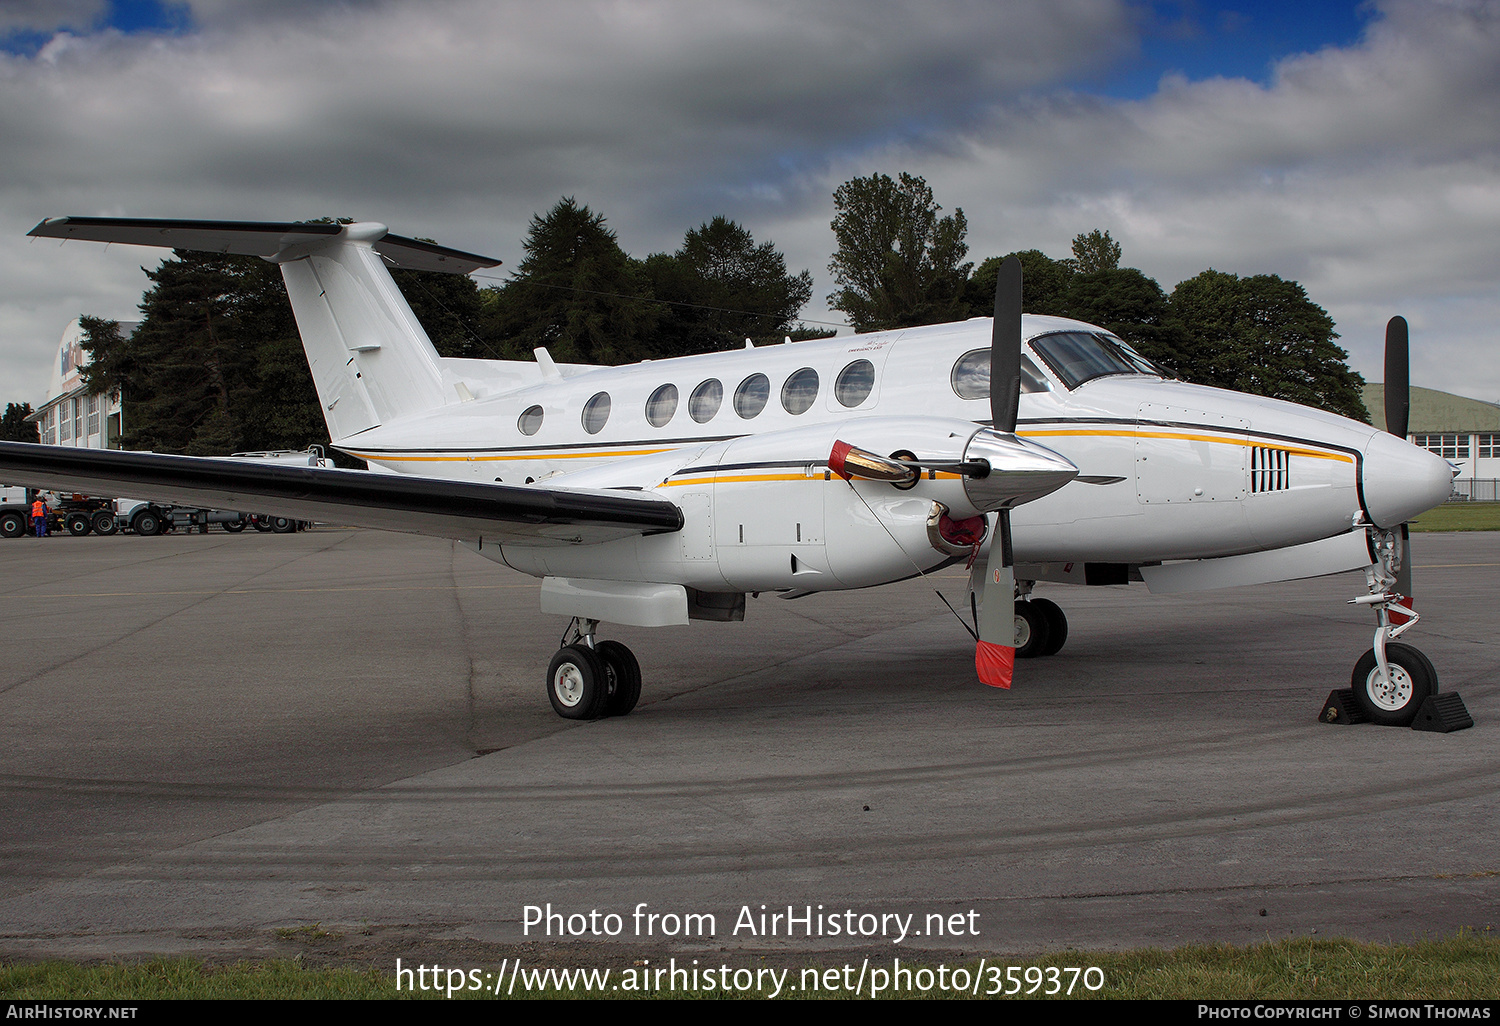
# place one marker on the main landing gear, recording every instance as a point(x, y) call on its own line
point(1041, 626)
point(589, 679)
point(1391, 680)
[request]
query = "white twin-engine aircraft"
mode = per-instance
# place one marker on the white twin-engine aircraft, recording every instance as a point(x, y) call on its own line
point(665, 491)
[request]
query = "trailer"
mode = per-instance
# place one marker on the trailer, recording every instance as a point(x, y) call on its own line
point(79, 515)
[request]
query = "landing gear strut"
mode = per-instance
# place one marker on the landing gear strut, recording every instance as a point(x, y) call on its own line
point(1390, 681)
point(589, 679)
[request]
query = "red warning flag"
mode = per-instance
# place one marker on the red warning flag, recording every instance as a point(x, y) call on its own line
point(995, 663)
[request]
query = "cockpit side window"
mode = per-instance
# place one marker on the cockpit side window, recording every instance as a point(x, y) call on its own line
point(971, 375)
point(1079, 356)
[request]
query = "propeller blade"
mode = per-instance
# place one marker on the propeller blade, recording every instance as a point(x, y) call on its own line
point(1397, 377)
point(995, 651)
point(1005, 348)
point(1397, 417)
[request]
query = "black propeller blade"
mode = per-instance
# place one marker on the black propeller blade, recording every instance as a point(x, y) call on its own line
point(1397, 416)
point(1005, 348)
point(1397, 377)
point(994, 654)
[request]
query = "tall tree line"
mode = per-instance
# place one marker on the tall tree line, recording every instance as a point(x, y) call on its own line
point(216, 364)
point(898, 265)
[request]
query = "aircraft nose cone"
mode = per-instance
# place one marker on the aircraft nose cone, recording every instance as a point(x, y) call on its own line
point(1401, 480)
point(1020, 471)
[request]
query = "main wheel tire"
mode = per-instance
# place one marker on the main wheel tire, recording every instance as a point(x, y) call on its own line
point(12, 525)
point(624, 677)
point(577, 684)
point(283, 525)
point(147, 524)
point(1394, 703)
point(260, 522)
point(234, 526)
point(104, 523)
point(1032, 630)
point(1057, 625)
point(78, 524)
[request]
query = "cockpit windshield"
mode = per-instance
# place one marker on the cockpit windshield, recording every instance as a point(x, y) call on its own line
point(1079, 356)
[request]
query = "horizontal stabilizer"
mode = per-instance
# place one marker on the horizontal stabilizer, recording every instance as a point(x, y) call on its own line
point(460, 510)
point(268, 239)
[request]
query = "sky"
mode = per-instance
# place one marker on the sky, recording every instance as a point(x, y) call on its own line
point(1353, 147)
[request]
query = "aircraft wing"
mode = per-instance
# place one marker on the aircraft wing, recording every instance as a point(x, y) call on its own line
point(461, 510)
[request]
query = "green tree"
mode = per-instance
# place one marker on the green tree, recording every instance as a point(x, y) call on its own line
point(1095, 251)
point(724, 289)
point(898, 263)
point(575, 292)
point(189, 364)
point(1044, 284)
point(1263, 335)
point(13, 426)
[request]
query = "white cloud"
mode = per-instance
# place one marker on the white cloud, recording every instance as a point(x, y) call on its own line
point(48, 15)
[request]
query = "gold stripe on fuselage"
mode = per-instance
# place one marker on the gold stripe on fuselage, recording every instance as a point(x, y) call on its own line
point(1243, 442)
point(578, 454)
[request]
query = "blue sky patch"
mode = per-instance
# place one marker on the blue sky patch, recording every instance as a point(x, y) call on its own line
point(1204, 39)
point(131, 17)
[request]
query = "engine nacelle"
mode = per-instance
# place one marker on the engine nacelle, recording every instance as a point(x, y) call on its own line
point(766, 512)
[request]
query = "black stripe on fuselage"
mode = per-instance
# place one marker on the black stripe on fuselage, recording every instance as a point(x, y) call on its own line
point(1359, 457)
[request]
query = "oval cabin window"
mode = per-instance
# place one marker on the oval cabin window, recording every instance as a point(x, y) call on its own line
point(661, 406)
point(596, 413)
point(705, 400)
point(751, 397)
point(800, 391)
point(854, 383)
point(530, 422)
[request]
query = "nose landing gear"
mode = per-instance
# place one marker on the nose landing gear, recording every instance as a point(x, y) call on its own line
point(1390, 681)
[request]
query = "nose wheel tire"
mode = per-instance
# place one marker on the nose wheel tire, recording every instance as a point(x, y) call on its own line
point(624, 674)
point(1394, 702)
point(1033, 630)
point(577, 683)
point(1057, 625)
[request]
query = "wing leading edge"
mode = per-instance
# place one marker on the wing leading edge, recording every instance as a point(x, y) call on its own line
point(459, 510)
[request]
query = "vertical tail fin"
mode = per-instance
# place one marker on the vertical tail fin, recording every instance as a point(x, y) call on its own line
point(371, 361)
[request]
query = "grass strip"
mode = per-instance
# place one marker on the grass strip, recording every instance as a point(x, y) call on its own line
point(1460, 516)
point(1466, 966)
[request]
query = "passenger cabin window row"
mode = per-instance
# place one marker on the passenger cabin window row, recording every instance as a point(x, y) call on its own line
point(798, 394)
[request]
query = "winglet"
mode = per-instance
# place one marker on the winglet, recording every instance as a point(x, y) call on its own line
point(994, 663)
